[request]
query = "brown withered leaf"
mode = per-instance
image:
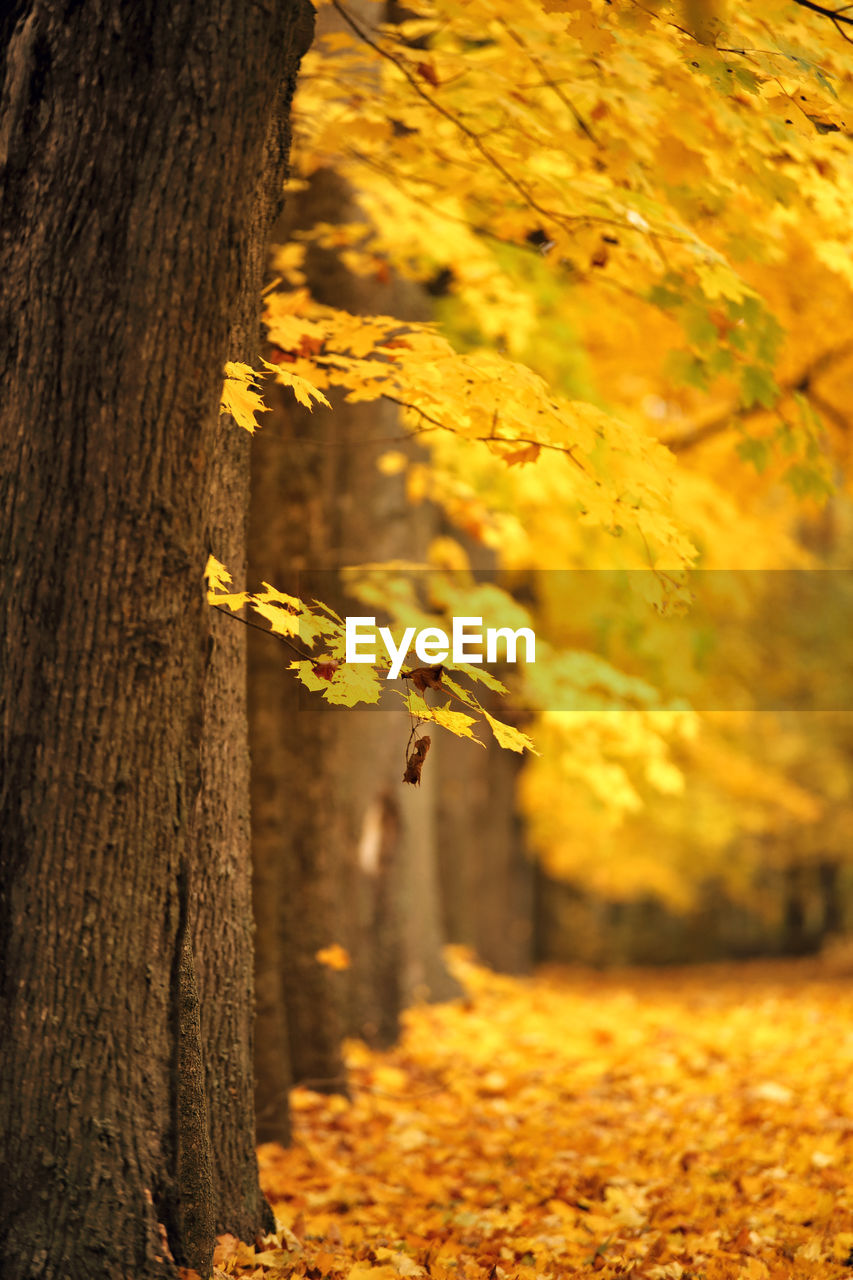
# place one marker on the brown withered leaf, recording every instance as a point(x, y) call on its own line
point(425, 678)
point(415, 760)
point(428, 72)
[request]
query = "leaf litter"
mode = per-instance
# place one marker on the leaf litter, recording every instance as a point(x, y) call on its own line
point(685, 1124)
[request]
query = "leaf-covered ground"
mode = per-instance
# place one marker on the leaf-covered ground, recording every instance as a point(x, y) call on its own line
point(683, 1124)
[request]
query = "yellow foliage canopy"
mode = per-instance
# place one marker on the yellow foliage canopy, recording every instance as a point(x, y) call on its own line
point(641, 219)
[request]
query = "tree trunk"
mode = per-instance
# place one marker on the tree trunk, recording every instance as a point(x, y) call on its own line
point(143, 150)
point(339, 847)
point(486, 877)
point(298, 1010)
point(393, 900)
point(829, 880)
point(798, 938)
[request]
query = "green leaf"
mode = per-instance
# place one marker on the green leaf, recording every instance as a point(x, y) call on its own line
point(755, 451)
point(757, 386)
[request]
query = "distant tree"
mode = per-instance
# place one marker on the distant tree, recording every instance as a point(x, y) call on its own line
point(343, 852)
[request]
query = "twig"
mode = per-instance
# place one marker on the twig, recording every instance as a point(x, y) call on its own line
point(835, 16)
point(550, 215)
point(306, 657)
point(442, 110)
point(566, 450)
point(552, 84)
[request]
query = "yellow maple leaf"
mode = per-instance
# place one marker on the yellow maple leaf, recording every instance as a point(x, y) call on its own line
point(401, 1262)
point(347, 685)
point(482, 675)
point(239, 398)
point(510, 737)
point(272, 594)
point(454, 721)
point(364, 1271)
point(354, 685)
point(234, 600)
point(216, 575)
point(305, 673)
point(304, 390)
point(517, 455)
point(282, 621)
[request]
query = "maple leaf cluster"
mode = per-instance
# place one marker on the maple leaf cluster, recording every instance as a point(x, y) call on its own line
point(299, 625)
point(634, 222)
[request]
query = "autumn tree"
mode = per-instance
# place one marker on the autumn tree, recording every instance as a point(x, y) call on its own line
point(679, 282)
point(143, 152)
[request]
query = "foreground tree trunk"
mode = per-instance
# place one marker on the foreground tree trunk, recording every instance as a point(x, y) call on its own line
point(142, 152)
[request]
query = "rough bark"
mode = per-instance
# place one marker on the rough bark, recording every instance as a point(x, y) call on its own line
point(298, 1009)
point(142, 149)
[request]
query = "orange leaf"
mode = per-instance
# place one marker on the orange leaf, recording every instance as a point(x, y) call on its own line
point(333, 957)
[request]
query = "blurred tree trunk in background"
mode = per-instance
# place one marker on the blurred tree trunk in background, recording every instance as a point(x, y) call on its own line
point(798, 936)
point(487, 880)
point(343, 851)
point(298, 1018)
point(829, 877)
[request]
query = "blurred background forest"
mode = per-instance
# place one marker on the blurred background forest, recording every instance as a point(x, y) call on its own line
point(644, 227)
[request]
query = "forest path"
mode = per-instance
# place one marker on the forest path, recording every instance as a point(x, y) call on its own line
point(695, 1123)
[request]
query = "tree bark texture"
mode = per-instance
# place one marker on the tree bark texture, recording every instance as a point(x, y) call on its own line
point(142, 150)
point(298, 999)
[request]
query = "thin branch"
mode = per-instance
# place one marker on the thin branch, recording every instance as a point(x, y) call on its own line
point(561, 220)
point(306, 657)
point(568, 219)
point(828, 410)
point(835, 15)
point(666, 22)
point(442, 110)
point(552, 84)
point(566, 450)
